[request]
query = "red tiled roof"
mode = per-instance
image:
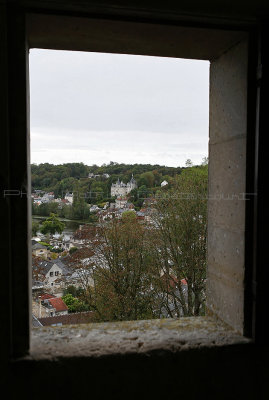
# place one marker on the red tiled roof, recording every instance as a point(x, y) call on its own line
point(76, 318)
point(47, 296)
point(172, 281)
point(58, 304)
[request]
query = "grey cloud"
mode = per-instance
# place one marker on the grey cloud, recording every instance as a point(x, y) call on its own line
point(115, 104)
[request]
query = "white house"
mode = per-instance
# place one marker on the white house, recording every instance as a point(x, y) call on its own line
point(47, 305)
point(55, 306)
point(120, 202)
point(69, 197)
point(39, 250)
point(52, 273)
point(94, 208)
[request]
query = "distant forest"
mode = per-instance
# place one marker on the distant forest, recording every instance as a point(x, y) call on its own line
point(74, 176)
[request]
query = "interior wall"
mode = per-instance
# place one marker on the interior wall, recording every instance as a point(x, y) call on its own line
point(227, 185)
point(217, 373)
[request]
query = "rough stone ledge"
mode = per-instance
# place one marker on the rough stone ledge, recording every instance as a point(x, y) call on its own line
point(99, 339)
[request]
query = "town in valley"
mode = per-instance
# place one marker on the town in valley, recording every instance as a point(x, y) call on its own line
point(137, 250)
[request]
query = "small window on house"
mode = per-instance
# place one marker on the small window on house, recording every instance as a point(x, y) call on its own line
point(119, 146)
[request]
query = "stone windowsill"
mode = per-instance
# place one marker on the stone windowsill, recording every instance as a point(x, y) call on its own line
point(99, 339)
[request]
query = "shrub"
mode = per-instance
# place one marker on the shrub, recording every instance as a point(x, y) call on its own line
point(72, 250)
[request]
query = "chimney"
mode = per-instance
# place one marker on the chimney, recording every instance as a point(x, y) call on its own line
point(39, 312)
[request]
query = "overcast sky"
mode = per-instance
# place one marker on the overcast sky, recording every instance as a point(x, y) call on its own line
point(96, 108)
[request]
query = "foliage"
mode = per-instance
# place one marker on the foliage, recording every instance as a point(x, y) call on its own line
point(128, 216)
point(55, 250)
point(72, 250)
point(147, 179)
point(52, 225)
point(53, 256)
point(76, 292)
point(143, 192)
point(73, 177)
point(138, 271)
point(135, 199)
point(93, 218)
point(122, 273)
point(132, 270)
point(74, 304)
point(179, 243)
point(35, 228)
point(44, 243)
point(79, 210)
point(117, 277)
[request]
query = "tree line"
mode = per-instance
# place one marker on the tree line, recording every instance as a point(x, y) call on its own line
point(68, 177)
point(73, 177)
point(79, 210)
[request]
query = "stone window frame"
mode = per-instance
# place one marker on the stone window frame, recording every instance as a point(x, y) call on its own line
point(175, 40)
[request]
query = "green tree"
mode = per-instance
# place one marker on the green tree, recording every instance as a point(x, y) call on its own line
point(188, 163)
point(35, 228)
point(121, 279)
point(134, 198)
point(80, 209)
point(74, 304)
point(72, 250)
point(179, 243)
point(76, 292)
point(142, 192)
point(52, 225)
point(147, 178)
point(128, 216)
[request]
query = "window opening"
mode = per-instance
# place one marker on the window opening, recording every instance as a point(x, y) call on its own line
point(128, 236)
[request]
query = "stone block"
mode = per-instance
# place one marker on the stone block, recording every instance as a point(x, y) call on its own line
point(228, 94)
point(226, 301)
point(227, 166)
point(226, 253)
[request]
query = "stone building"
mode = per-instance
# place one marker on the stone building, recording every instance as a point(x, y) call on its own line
point(39, 250)
point(52, 273)
point(122, 189)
